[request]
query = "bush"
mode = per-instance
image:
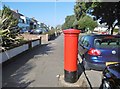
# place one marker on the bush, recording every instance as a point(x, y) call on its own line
point(50, 32)
point(8, 27)
point(116, 30)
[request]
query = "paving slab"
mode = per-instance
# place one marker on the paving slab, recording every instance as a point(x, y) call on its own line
point(80, 83)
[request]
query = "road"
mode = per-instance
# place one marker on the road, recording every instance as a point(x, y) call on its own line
point(40, 66)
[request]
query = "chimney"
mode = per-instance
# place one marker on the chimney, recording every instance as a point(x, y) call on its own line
point(16, 11)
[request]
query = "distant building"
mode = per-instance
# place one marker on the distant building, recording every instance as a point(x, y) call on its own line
point(23, 21)
point(101, 29)
point(26, 23)
point(117, 27)
point(34, 23)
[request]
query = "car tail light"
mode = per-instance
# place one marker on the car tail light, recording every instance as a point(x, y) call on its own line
point(94, 52)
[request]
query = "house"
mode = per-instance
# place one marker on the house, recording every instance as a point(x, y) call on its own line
point(34, 23)
point(101, 29)
point(23, 21)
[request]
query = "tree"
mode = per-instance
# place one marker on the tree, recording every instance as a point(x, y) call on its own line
point(69, 20)
point(44, 26)
point(80, 9)
point(52, 28)
point(108, 12)
point(58, 27)
point(83, 20)
point(8, 27)
point(87, 22)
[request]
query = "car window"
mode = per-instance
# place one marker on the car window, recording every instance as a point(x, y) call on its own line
point(86, 41)
point(81, 40)
point(107, 42)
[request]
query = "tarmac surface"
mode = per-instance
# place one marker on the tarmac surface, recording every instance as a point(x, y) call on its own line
point(42, 66)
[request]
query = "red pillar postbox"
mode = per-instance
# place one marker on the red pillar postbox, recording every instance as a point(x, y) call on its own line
point(70, 55)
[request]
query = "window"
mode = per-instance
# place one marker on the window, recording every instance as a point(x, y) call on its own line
point(81, 40)
point(86, 42)
point(107, 42)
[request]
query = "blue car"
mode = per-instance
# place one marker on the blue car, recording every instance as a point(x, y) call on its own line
point(37, 31)
point(23, 31)
point(97, 51)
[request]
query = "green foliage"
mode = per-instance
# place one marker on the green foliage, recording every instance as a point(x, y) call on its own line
point(8, 25)
point(116, 30)
point(44, 26)
point(80, 9)
point(87, 22)
point(69, 20)
point(108, 12)
point(83, 20)
point(58, 27)
point(50, 32)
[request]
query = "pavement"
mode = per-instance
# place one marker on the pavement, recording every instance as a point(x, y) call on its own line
point(95, 78)
point(37, 67)
point(42, 66)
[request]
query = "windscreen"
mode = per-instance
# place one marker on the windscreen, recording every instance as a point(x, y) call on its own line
point(107, 42)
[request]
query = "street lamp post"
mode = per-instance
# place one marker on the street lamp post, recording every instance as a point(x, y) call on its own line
point(55, 12)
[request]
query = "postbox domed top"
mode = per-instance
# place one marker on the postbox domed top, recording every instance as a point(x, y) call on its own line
point(71, 31)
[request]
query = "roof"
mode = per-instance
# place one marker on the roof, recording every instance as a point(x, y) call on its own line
point(34, 20)
point(92, 34)
point(16, 15)
point(103, 26)
point(100, 35)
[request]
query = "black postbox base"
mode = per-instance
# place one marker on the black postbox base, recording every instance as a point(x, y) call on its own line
point(70, 77)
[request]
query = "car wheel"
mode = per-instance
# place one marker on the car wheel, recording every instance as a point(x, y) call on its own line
point(85, 65)
point(106, 85)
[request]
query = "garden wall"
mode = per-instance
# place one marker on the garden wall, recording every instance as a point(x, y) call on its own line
point(8, 54)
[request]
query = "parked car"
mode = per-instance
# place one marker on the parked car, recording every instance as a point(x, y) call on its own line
point(44, 31)
point(98, 50)
point(36, 31)
point(23, 30)
point(111, 77)
point(31, 31)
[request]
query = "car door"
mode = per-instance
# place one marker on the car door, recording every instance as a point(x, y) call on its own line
point(80, 46)
point(86, 45)
point(83, 45)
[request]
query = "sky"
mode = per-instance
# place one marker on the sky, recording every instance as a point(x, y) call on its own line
point(50, 13)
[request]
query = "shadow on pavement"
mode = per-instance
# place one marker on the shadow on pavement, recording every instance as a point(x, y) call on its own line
point(15, 70)
point(81, 70)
